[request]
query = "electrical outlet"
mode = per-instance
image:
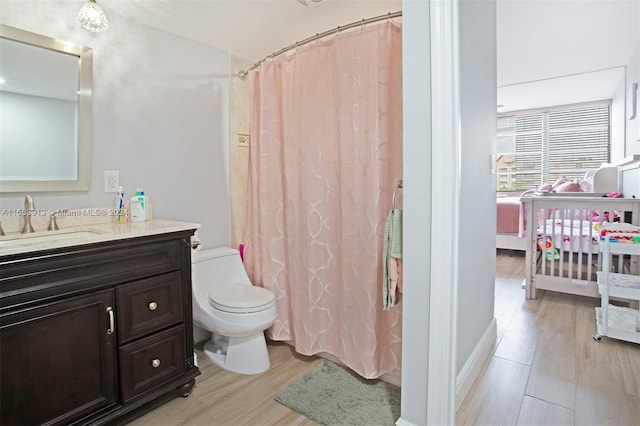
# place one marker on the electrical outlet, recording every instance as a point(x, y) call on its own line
point(243, 139)
point(111, 180)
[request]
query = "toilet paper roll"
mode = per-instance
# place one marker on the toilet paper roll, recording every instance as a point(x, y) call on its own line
point(196, 244)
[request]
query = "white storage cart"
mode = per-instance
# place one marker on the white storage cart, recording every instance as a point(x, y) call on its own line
point(621, 248)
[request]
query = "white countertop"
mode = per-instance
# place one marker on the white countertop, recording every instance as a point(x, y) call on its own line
point(16, 243)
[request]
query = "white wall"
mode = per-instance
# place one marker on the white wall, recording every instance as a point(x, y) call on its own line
point(633, 126)
point(160, 116)
point(417, 209)
point(630, 179)
point(476, 264)
point(618, 112)
point(476, 273)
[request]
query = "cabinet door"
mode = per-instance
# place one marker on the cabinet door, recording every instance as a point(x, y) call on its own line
point(57, 361)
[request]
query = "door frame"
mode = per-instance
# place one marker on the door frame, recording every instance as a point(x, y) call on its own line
point(431, 118)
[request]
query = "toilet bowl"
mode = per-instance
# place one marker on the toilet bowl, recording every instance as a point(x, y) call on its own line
point(235, 311)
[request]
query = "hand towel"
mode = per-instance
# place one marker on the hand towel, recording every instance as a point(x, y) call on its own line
point(396, 234)
point(391, 258)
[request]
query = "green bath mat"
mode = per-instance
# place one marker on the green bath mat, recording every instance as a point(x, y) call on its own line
point(332, 396)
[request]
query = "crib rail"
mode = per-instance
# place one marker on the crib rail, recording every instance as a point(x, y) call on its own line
point(562, 241)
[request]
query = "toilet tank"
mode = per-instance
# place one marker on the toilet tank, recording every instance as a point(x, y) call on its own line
point(217, 267)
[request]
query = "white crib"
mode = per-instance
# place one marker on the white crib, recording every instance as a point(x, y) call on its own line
point(569, 225)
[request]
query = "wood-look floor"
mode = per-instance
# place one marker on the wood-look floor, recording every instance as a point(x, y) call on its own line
point(546, 370)
point(223, 398)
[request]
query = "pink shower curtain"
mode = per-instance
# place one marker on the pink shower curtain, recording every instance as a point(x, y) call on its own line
point(325, 156)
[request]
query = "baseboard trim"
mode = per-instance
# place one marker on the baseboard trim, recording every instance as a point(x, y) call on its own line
point(391, 379)
point(474, 365)
point(401, 422)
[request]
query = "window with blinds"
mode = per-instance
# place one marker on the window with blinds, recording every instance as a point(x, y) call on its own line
point(543, 145)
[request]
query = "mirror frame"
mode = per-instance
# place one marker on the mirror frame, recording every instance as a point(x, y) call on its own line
point(85, 63)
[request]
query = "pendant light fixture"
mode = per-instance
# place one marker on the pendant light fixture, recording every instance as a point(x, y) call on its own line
point(92, 18)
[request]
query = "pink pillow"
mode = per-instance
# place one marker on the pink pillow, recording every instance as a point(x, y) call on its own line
point(559, 182)
point(568, 187)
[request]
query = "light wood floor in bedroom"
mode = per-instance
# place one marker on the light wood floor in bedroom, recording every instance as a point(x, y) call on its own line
point(546, 370)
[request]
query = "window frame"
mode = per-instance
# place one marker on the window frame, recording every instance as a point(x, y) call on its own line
point(544, 169)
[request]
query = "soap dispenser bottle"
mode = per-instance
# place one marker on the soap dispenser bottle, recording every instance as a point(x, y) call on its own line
point(139, 206)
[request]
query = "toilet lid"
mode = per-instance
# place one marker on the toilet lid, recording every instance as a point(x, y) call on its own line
point(241, 298)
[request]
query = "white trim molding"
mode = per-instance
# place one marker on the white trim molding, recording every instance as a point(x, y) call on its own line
point(476, 362)
point(432, 139)
point(445, 167)
point(402, 422)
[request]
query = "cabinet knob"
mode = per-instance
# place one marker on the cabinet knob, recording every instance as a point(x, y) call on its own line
point(155, 363)
point(153, 306)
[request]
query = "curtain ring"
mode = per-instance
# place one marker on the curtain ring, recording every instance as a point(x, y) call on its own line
point(362, 26)
point(337, 29)
point(388, 17)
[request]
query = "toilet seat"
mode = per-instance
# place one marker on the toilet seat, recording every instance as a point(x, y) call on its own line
point(241, 298)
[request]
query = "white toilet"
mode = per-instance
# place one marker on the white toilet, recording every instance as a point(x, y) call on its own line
point(235, 311)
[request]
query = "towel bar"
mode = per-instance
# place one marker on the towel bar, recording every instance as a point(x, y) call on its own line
point(393, 199)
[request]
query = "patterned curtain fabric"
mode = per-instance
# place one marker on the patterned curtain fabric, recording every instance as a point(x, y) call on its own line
point(325, 156)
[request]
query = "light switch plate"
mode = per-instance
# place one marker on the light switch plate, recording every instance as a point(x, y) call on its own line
point(111, 180)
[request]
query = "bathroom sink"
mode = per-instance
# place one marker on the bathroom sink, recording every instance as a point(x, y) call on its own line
point(44, 238)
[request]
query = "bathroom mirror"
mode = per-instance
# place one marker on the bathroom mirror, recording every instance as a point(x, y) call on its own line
point(45, 113)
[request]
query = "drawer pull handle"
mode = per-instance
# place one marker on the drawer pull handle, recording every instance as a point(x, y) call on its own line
point(155, 363)
point(111, 328)
point(153, 306)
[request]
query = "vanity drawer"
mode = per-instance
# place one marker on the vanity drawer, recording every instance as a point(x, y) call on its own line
point(148, 305)
point(68, 271)
point(151, 361)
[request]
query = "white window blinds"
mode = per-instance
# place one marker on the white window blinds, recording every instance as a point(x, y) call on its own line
point(552, 143)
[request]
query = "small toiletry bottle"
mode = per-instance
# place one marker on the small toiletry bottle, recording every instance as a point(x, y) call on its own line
point(145, 202)
point(139, 206)
point(120, 212)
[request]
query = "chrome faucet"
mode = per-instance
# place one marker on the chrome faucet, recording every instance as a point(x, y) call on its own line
point(28, 207)
point(53, 223)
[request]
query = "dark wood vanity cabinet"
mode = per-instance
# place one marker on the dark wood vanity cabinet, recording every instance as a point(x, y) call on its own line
point(95, 334)
point(57, 361)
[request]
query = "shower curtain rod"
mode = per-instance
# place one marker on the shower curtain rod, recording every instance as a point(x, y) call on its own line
point(243, 74)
